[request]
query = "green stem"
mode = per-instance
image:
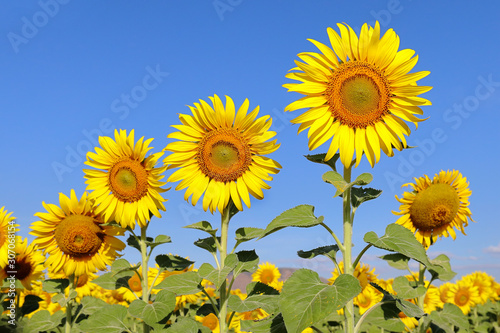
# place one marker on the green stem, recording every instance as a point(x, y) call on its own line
point(224, 293)
point(337, 240)
point(421, 299)
point(69, 305)
point(144, 265)
point(347, 254)
point(360, 321)
point(358, 258)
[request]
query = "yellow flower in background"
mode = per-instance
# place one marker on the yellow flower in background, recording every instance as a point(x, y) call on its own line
point(28, 266)
point(74, 238)
point(362, 272)
point(409, 322)
point(444, 290)
point(211, 321)
point(367, 298)
point(358, 93)
point(483, 282)
point(220, 154)
point(7, 226)
point(127, 187)
point(436, 207)
point(267, 273)
point(464, 295)
point(432, 298)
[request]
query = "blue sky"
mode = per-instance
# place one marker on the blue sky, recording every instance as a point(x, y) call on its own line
point(73, 70)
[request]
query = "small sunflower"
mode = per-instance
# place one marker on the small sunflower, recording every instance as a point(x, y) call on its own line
point(127, 187)
point(362, 272)
point(267, 273)
point(367, 298)
point(432, 298)
point(358, 93)
point(436, 207)
point(220, 154)
point(211, 321)
point(7, 227)
point(444, 289)
point(74, 238)
point(483, 282)
point(28, 266)
point(464, 295)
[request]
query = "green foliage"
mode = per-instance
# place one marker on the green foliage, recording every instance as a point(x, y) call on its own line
point(187, 325)
point(248, 261)
point(44, 321)
point(218, 276)
point(320, 158)
point(207, 244)
point(360, 195)
point(203, 226)
point(329, 251)
point(405, 290)
point(337, 180)
point(397, 260)
point(111, 319)
point(449, 316)
point(316, 300)
point(273, 324)
point(55, 285)
point(182, 284)
point(300, 216)
point(172, 263)
point(153, 312)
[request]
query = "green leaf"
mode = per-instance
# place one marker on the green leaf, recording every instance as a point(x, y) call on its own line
point(268, 303)
point(385, 316)
point(91, 304)
point(216, 276)
point(185, 325)
point(272, 324)
point(259, 288)
point(122, 265)
point(207, 244)
point(203, 226)
point(449, 315)
point(404, 290)
point(30, 304)
point(363, 179)
point(399, 239)
point(441, 268)
point(160, 239)
point(306, 300)
point(60, 299)
point(300, 216)
point(247, 233)
point(153, 312)
point(172, 263)
point(44, 321)
point(336, 179)
point(320, 158)
point(396, 260)
point(134, 242)
point(409, 309)
point(329, 251)
point(360, 195)
point(55, 285)
point(109, 320)
point(187, 283)
point(248, 261)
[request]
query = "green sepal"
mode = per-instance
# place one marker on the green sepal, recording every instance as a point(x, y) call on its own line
point(320, 158)
point(301, 216)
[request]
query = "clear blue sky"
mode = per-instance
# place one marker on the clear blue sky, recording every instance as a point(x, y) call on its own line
point(73, 69)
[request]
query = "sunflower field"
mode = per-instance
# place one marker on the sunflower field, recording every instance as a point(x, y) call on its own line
point(359, 95)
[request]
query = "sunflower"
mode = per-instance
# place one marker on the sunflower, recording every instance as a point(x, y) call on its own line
point(464, 295)
point(7, 227)
point(358, 92)
point(74, 238)
point(220, 154)
point(435, 207)
point(362, 272)
point(367, 298)
point(432, 298)
point(444, 290)
point(211, 321)
point(128, 186)
point(483, 282)
point(267, 273)
point(28, 266)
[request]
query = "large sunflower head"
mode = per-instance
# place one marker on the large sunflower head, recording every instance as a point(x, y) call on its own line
point(28, 264)
point(484, 284)
point(435, 207)
point(358, 93)
point(219, 154)
point(74, 238)
point(8, 227)
point(464, 295)
point(127, 187)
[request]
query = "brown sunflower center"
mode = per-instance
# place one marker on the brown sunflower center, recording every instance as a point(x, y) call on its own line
point(79, 236)
point(461, 298)
point(358, 94)
point(434, 207)
point(135, 283)
point(267, 276)
point(128, 180)
point(23, 268)
point(224, 155)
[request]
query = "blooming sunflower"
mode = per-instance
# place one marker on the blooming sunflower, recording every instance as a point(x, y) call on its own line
point(220, 154)
point(464, 295)
point(267, 273)
point(28, 266)
point(367, 298)
point(74, 237)
point(362, 272)
point(483, 282)
point(211, 321)
point(358, 92)
point(435, 207)
point(7, 227)
point(128, 186)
